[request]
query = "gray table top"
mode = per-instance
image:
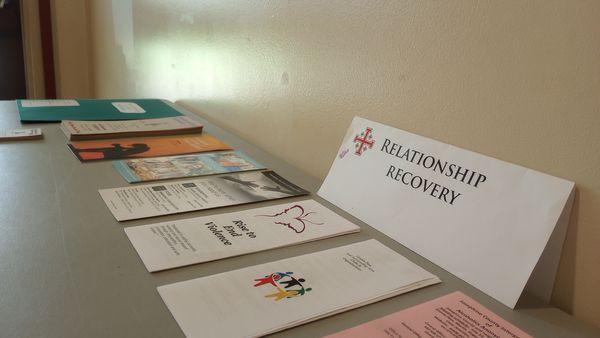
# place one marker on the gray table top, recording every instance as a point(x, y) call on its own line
point(68, 270)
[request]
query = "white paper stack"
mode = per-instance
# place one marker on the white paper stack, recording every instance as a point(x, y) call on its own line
point(94, 130)
point(275, 296)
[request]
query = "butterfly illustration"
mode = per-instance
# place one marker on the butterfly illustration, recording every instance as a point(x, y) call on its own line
point(294, 218)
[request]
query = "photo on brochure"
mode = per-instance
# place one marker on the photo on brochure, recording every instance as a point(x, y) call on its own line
point(161, 168)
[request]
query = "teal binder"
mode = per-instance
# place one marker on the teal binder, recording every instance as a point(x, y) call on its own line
point(94, 110)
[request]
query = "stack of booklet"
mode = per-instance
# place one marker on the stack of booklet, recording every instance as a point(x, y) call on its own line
point(137, 147)
point(122, 128)
point(94, 130)
point(275, 296)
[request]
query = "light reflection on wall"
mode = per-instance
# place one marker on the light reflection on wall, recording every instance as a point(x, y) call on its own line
point(185, 59)
point(122, 20)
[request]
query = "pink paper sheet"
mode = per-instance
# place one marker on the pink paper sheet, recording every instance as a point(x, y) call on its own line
point(453, 315)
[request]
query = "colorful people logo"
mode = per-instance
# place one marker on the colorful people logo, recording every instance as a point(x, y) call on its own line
point(287, 286)
point(294, 218)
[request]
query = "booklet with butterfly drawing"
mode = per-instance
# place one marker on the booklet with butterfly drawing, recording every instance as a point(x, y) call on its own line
point(95, 130)
point(196, 240)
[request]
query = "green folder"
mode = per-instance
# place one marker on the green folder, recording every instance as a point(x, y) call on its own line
point(93, 110)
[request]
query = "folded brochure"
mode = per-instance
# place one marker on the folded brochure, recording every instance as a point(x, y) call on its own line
point(160, 168)
point(165, 198)
point(271, 297)
point(196, 240)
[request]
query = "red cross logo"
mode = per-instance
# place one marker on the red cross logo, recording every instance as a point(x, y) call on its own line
point(363, 141)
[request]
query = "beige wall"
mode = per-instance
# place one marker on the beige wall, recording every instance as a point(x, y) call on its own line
point(32, 49)
point(72, 58)
point(516, 80)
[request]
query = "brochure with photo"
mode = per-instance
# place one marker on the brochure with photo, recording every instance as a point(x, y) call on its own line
point(271, 297)
point(165, 198)
point(138, 147)
point(161, 168)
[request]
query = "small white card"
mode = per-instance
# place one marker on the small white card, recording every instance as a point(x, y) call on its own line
point(196, 240)
point(128, 107)
point(271, 297)
point(48, 103)
point(20, 134)
point(496, 225)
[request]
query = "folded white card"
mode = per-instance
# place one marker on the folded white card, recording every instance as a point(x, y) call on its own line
point(270, 297)
point(196, 240)
point(487, 221)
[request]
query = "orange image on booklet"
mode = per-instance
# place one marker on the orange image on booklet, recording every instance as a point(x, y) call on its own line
point(145, 147)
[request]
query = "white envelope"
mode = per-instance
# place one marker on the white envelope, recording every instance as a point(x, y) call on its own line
point(496, 225)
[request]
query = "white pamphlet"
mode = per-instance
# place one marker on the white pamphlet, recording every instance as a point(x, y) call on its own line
point(271, 297)
point(21, 134)
point(196, 240)
point(496, 225)
point(167, 198)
